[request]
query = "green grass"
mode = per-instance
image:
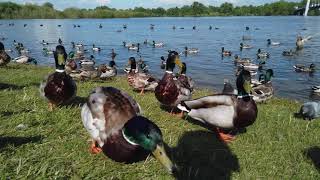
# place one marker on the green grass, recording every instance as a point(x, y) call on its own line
point(55, 144)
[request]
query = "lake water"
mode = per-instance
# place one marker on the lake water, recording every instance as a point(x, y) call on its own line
point(207, 68)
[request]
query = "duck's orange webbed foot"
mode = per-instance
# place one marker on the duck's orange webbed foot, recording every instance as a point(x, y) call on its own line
point(226, 138)
point(142, 91)
point(94, 149)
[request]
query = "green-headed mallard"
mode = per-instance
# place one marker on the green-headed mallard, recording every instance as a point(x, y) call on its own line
point(225, 111)
point(94, 48)
point(113, 121)
point(171, 90)
point(140, 81)
point(25, 59)
point(59, 88)
point(4, 57)
point(261, 54)
point(263, 90)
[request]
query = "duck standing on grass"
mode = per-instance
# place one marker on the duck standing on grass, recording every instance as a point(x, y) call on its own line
point(171, 90)
point(223, 110)
point(113, 121)
point(4, 57)
point(140, 81)
point(59, 88)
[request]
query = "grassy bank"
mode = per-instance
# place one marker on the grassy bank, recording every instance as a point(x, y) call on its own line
point(55, 144)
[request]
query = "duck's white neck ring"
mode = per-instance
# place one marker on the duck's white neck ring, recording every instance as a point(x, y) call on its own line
point(170, 72)
point(127, 139)
point(59, 70)
point(240, 97)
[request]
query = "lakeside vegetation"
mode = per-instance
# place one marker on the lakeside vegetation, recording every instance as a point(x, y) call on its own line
point(54, 145)
point(9, 10)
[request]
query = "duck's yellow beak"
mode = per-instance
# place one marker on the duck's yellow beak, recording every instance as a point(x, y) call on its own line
point(247, 87)
point(178, 62)
point(160, 154)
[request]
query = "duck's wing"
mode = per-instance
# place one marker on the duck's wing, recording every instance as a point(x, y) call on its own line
point(111, 108)
point(217, 110)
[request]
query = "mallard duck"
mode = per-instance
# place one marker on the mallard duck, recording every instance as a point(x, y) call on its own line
point(100, 26)
point(152, 26)
point(46, 51)
point(59, 88)
point(125, 44)
point(134, 47)
point(225, 111)
point(4, 57)
point(288, 53)
point(140, 81)
point(250, 66)
point(245, 46)
point(24, 60)
point(191, 51)
point(272, 43)
point(71, 66)
point(225, 53)
point(113, 121)
point(239, 60)
point(157, 45)
point(261, 54)
point(310, 110)
point(44, 42)
point(171, 90)
point(94, 48)
point(60, 41)
point(102, 72)
point(303, 68)
point(263, 91)
point(110, 71)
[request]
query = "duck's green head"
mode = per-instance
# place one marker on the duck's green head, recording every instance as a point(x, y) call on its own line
point(60, 57)
point(269, 75)
point(173, 60)
point(244, 83)
point(140, 130)
point(132, 63)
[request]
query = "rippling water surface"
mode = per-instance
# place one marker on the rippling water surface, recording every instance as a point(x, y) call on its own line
point(207, 68)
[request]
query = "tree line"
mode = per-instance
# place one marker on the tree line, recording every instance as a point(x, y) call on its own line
point(10, 10)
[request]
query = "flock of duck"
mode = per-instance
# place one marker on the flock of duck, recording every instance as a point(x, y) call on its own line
point(114, 119)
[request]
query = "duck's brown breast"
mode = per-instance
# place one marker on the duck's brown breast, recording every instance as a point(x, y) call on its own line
point(167, 92)
point(119, 150)
point(246, 113)
point(60, 88)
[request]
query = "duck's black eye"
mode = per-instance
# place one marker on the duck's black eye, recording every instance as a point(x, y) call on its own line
point(160, 153)
point(93, 101)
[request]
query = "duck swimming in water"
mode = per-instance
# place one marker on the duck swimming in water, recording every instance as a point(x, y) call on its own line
point(261, 54)
point(303, 68)
point(272, 43)
point(225, 111)
point(225, 53)
point(59, 88)
point(191, 51)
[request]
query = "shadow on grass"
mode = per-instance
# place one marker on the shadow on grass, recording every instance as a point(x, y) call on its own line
point(313, 154)
point(4, 86)
point(18, 141)
point(201, 155)
point(77, 101)
point(10, 113)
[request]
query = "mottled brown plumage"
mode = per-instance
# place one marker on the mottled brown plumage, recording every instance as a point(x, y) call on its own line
point(167, 92)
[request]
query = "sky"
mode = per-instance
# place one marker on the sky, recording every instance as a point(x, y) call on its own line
point(125, 4)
